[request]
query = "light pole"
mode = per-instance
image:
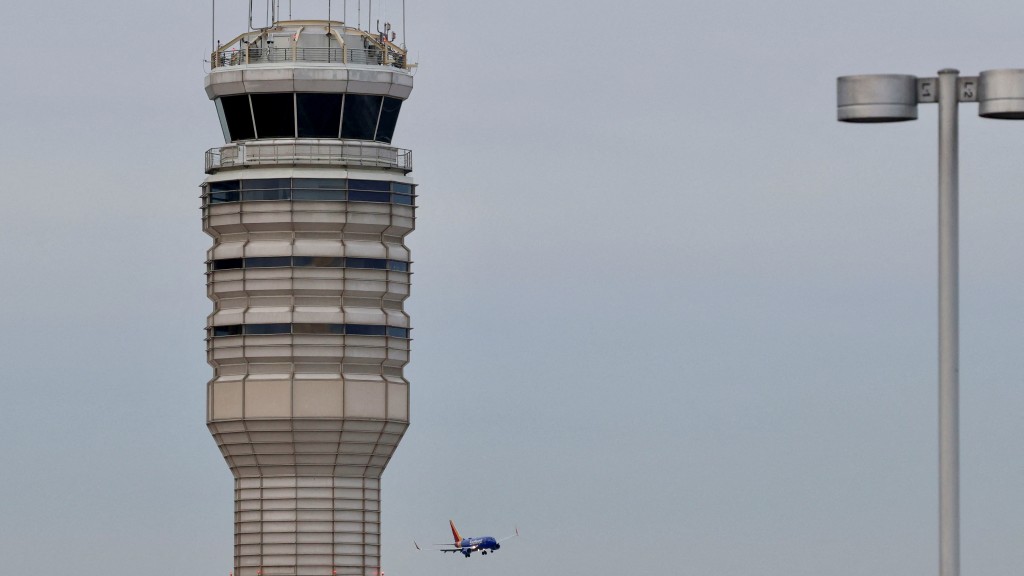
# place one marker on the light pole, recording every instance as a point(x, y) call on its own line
point(894, 98)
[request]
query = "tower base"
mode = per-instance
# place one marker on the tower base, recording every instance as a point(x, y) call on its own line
point(307, 526)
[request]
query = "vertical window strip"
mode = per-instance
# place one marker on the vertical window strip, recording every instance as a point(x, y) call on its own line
point(252, 116)
point(222, 116)
point(376, 124)
point(341, 121)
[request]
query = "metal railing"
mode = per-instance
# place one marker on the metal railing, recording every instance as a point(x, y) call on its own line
point(308, 154)
point(280, 43)
point(372, 56)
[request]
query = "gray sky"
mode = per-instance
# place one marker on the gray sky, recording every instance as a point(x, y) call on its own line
point(670, 316)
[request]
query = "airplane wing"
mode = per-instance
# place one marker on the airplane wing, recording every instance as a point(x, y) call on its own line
point(446, 547)
point(469, 549)
point(511, 535)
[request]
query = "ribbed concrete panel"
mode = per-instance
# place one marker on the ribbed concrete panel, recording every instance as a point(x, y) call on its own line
point(308, 274)
point(245, 217)
point(289, 78)
point(307, 524)
point(301, 282)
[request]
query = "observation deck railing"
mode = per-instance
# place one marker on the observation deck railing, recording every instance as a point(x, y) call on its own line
point(363, 56)
point(281, 44)
point(345, 153)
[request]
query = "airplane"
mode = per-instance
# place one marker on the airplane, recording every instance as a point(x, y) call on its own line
point(467, 546)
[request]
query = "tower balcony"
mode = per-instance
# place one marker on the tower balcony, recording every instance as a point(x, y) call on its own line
point(308, 153)
point(311, 42)
point(318, 55)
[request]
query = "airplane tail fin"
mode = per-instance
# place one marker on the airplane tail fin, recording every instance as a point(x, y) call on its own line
point(455, 533)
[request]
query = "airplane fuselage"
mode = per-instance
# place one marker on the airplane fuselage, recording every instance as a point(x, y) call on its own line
point(470, 545)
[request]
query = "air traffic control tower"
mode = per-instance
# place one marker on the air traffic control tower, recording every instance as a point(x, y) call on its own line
point(308, 205)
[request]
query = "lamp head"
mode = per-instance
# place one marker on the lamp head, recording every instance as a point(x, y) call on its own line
point(1001, 94)
point(872, 98)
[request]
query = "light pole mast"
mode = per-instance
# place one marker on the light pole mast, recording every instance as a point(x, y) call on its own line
point(879, 98)
point(949, 326)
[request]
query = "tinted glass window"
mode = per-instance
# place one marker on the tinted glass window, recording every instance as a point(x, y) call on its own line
point(309, 262)
point(218, 197)
point(227, 264)
point(261, 329)
point(310, 189)
point(369, 185)
point(238, 117)
point(365, 329)
point(224, 186)
point(227, 330)
point(360, 196)
point(360, 119)
point(266, 195)
point(396, 332)
point(266, 183)
point(372, 263)
point(388, 119)
point(268, 262)
point(311, 115)
point(266, 189)
point(319, 115)
point(320, 183)
point(324, 189)
point(274, 115)
point(319, 195)
point(226, 191)
point(311, 328)
point(318, 262)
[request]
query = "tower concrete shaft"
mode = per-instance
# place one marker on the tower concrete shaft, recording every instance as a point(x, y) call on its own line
point(308, 205)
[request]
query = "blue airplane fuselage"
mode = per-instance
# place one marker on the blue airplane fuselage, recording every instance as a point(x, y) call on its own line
point(486, 543)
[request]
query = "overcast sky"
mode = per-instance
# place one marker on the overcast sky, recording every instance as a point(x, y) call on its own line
point(670, 316)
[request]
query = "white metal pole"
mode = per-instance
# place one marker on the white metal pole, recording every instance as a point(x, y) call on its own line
point(949, 327)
